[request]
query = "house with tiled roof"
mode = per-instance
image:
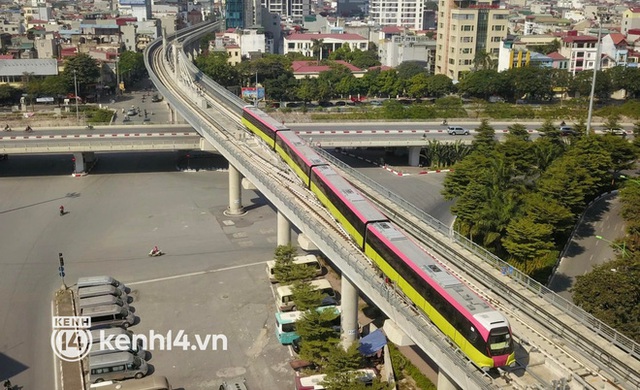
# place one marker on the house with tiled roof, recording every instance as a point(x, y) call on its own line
point(615, 46)
point(312, 69)
point(305, 43)
point(580, 50)
point(559, 61)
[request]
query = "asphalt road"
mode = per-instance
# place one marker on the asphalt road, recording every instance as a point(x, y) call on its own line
point(585, 251)
point(129, 203)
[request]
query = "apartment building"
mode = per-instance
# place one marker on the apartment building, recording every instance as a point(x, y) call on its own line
point(304, 43)
point(466, 29)
point(580, 51)
point(395, 48)
point(630, 20)
point(403, 13)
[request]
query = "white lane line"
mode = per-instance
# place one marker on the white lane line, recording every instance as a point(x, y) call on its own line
point(195, 274)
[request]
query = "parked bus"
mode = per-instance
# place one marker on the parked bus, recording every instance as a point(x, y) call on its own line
point(306, 260)
point(286, 323)
point(284, 296)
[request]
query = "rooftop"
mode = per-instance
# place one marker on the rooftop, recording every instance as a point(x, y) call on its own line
point(309, 37)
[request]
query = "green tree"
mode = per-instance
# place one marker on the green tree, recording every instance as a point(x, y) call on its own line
point(305, 296)
point(611, 292)
point(318, 335)
point(387, 83)
point(341, 53)
point(215, 65)
point(54, 86)
point(623, 154)
point(418, 85)
point(9, 94)
point(317, 48)
point(547, 211)
point(549, 129)
point(407, 69)
point(484, 139)
point(612, 121)
point(439, 85)
point(527, 240)
point(87, 72)
point(364, 59)
point(483, 84)
point(547, 48)
point(531, 82)
point(307, 89)
point(342, 361)
point(131, 66)
point(484, 61)
point(582, 85)
point(518, 131)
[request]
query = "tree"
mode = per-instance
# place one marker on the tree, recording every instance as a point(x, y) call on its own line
point(548, 129)
point(215, 65)
point(316, 48)
point(307, 89)
point(343, 361)
point(305, 296)
point(9, 94)
point(364, 59)
point(485, 137)
point(623, 154)
point(611, 292)
point(543, 210)
point(547, 48)
point(484, 61)
point(532, 82)
point(407, 69)
point(582, 85)
point(518, 131)
point(87, 72)
point(439, 85)
point(527, 240)
point(318, 335)
point(54, 86)
point(418, 85)
point(131, 66)
point(483, 83)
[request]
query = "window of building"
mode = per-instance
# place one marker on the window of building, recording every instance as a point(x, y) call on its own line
point(466, 50)
point(453, 27)
point(495, 52)
point(497, 28)
point(496, 39)
point(466, 39)
point(451, 61)
point(463, 16)
point(291, 46)
point(499, 16)
point(467, 27)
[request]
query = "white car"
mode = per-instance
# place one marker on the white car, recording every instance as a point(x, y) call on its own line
point(457, 130)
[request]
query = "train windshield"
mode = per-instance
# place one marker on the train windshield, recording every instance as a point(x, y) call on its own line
point(500, 342)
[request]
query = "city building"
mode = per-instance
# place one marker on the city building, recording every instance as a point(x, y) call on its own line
point(580, 51)
point(306, 43)
point(614, 45)
point(467, 29)
point(139, 9)
point(404, 13)
point(311, 69)
point(396, 46)
point(630, 20)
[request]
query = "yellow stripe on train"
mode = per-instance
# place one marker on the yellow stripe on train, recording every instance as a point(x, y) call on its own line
point(353, 232)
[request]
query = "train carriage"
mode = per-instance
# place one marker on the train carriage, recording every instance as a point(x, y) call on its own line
point(262, 125)
point(352, 210)
point(298, 155)
point(481, 332)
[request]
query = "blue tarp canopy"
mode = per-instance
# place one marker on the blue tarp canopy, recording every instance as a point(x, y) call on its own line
point(372, 342)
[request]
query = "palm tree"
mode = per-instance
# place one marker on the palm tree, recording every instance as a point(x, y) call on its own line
point(316, 47)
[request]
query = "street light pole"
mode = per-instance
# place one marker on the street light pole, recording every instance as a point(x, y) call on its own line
point(596, 65)
point(256, 101)
point(622, 249)
point(75, 85)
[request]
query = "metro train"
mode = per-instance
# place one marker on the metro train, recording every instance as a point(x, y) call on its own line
point(482, 333)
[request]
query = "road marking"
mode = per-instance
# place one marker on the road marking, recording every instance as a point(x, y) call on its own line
point(195, 274)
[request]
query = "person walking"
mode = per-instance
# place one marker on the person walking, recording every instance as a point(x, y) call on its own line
point(61, 210)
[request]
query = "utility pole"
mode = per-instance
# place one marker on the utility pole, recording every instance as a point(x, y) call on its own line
point(75, 85)
point(596, 66)
point(256, 101)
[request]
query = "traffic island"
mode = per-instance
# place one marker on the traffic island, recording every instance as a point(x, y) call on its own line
point(69, 374)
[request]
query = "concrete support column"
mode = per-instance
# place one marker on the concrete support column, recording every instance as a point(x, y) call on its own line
point(235, 192)
point(284, 230)
point(414, 155)
point(349, 320)
point(445, 383)
point(78, 159)
point(175, 60)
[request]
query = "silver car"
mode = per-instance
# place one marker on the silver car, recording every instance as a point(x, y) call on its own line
point(457, 130)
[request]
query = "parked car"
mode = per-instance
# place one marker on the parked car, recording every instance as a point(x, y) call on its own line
point(156, 98)
point(375, 103)
point(132, 112)
point(457, 130)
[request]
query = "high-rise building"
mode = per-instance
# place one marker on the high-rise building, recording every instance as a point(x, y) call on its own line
point(404, 13)
point(467, 30)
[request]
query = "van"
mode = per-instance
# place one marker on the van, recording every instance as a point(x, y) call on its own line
point(96, 291)
point(108, 315)
point(306, 260)
point(90, 281)
point(116, 366)
point(457, 130)
point(116, 337)
point(102, 300)
point(284, 299)
point(149, 383)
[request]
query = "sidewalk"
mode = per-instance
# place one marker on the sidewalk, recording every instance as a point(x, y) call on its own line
point(69, 375)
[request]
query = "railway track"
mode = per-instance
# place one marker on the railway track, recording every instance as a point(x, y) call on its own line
point(620, 374)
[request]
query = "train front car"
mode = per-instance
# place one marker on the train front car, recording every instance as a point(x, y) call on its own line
point(352, 210)
point(298, 155)
point(450, 304)
point(262, 125)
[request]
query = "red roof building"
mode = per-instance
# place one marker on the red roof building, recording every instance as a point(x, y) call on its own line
point(302, 69)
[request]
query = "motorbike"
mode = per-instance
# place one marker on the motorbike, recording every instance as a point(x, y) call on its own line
point(89, 127)
point(156, 253)
point(7, 128)
point(28, 129)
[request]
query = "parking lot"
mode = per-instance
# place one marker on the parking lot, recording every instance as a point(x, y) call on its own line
point(212, 279)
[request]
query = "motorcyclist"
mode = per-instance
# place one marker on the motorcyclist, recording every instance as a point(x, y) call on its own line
point(562, 123)
point(444, 122)
point(61, 210)
point(7, 128)
point(28, 129)
point(155, 250)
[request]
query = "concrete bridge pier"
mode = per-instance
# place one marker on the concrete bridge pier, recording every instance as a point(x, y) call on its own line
point(349, 320)
point(414, 155)
point(284, 230)
point(235, 192)
point(81, 160)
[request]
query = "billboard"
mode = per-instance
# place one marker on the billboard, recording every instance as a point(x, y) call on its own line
point(132, 2)
point(250, 93)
